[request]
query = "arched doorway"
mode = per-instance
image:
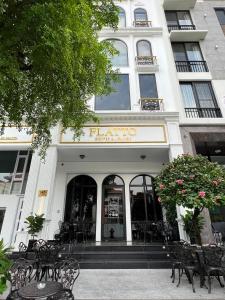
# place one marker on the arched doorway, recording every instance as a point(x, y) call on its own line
point(146, 211)
point(81, 203)
point(113, 209)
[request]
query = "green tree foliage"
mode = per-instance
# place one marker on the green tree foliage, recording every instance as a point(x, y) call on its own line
point(5, 264)
point(51, 61)
point(194, 183)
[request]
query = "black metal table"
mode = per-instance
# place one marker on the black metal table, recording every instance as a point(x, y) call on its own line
point(35, 290)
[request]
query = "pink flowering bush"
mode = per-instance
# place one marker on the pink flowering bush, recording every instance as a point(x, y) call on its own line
point(193, 182)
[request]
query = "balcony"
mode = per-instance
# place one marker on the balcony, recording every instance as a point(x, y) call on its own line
point(191, 66)
point(203, 112)
point(179, 4)
point(146, 63)
point(142, 23)
point(151, 104)
point(186, 33)
point(181, 27)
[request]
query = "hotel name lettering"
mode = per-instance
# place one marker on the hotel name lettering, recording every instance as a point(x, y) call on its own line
point(112, 134)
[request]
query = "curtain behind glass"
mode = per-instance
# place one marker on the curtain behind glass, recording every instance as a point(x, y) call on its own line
point(184, 18)
point(122, 18)
point(204, 95)
point(140, 15)
point(144, 48)
point(193, 52)
point(120, 60)
point(188, 95)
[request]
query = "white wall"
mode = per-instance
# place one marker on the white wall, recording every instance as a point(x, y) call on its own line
point(10, 203)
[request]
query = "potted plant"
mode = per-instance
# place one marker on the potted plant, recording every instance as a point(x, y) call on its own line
point(194, 183)
point(35, 225)
point(5, 265)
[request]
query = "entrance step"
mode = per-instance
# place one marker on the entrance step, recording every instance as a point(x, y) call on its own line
point(152, 256)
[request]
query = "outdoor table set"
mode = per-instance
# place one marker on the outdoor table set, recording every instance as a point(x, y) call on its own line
point(206, 261)
point(45, 275)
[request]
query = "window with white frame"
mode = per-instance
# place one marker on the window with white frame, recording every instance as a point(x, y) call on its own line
point(120, 59)
point(119, 98)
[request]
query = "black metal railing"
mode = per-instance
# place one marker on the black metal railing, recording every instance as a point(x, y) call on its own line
point(181, 27)
point(203, 112)
point(191, 66)
point(151, 104)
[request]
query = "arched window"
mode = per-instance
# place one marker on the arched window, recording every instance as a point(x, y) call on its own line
point(122, 17)
point(113, 208)
point(144, 48)
point(140, 15)
point(121, 59)
point(80, 209)
point(144, 206)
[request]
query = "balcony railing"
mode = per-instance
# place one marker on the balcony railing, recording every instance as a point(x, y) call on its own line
point(151, 104)
point(181, 27)
point(203, 112)
point(142, 23)
point(146, 60)
point(191, 66)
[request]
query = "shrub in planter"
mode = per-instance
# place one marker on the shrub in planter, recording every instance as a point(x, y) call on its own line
point(194, 183)
point(5, 264)
point(35, 225)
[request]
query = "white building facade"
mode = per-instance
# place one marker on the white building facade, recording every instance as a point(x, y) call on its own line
point(106, 179)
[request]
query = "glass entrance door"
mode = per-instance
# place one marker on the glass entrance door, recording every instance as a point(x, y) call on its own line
point(113, 214)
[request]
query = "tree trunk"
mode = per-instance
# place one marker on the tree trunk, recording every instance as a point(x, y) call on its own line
point(196, 229)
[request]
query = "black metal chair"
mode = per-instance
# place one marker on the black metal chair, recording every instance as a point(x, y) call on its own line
point(68, 274)
point(189, 264)
point(20, 274)
point(47, 257)
point(22, 247)
point(213, 263)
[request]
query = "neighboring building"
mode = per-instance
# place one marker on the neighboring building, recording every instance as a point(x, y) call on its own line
point(198, 41)
point(168, 84)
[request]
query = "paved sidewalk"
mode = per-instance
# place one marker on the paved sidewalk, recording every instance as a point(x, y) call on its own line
point(139, 285)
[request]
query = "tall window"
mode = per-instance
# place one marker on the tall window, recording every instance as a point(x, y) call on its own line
point(179, 20)
point(122, 17)
point(144, 48)
point(121, 59)
point(220, 12)
point(199, 100)
point(119, 99)
point(14, 169)
point(148, 88)
point(188, 57)
point(140, 18)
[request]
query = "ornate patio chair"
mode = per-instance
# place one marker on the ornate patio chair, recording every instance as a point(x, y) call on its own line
point(47, 257)
point(20, 274)
point(22, 247)
point(68, 273)
point(213, 263)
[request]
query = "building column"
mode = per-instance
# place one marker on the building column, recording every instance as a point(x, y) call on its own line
point(127, 212)
point(176, 149)
point(99, 212)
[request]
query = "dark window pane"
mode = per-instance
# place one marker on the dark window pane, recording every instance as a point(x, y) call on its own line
point(171, 18)
point(119, 99)
point(148, 87)
point(7, 161)
point(2, 214)
point(193, 52)
point(179, 52)
point(137, 180)
point(184, 18)
point(221, 16)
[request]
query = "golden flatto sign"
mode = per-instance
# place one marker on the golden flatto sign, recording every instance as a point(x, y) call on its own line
point(118, 134)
